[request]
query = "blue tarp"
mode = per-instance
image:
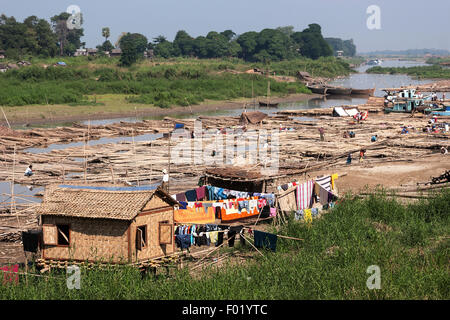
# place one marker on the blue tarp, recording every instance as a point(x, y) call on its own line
point(179, 125)
point(62, 63)
point(141, 188)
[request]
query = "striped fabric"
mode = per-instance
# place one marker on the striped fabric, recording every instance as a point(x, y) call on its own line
point(304, 194)
point(325, 182)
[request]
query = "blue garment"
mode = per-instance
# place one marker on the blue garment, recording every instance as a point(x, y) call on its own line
point(183, 205)
point(219, 194)
point(265, 240)
point(210, 192)
point(211, 227)
point(314, 212)
point(183, 241)
point(191, 195)
point(299, 215)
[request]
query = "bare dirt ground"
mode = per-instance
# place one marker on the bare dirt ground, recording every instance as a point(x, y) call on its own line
point(358, 176)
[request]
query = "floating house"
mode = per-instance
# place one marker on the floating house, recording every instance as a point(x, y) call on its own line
point(106, 223)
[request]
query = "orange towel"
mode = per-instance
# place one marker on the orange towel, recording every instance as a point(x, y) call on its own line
point(192, 215)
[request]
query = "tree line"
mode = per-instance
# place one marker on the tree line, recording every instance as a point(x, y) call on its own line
point(39, 37)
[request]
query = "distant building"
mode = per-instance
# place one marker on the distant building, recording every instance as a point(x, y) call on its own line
point(339, 53)
point(92, 52)
point(149, 54)
point(2, 54)
point(80, 52)
point(115, 53)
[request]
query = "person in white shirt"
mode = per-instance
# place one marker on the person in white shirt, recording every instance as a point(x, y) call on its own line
point(165, 181)
point(29, 171)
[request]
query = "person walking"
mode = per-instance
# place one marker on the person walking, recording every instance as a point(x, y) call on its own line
point(361, 155)
point(349, 158)
point(322, 133)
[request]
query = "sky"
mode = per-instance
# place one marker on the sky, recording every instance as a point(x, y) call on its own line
point(404, 24)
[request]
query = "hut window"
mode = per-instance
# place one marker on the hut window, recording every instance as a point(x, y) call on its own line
point(141, 237)
point(63, 234)
point(165, 232)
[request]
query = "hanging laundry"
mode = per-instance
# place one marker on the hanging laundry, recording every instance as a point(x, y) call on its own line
point(183, 205)
point(181, 197)
point(232, 232)
point(298, 215)
point(214, 236)
point(323, 195)
point(241, 237)
point(273, 212)
point(308, 215)
point(304, 194)
point(210, 192)
point(324, 182)
point(191, 195)
point(183, 241)
point(265, 240)
point(315, 212)
point(201, 193)
point(333, 180)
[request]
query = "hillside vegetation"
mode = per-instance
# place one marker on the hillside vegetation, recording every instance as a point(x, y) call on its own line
point(163, 82)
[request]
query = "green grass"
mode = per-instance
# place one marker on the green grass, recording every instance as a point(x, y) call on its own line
point(408, 242)
point(430, 72)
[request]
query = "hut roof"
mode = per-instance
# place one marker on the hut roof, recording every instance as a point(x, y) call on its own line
point(119, 203)
point(303, 75)
point(253, 117)
point(235, 173)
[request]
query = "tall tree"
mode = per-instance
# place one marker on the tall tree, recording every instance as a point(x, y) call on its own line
point(69, 40)
point(183, 43)
point(133, 46)
point(105, 33)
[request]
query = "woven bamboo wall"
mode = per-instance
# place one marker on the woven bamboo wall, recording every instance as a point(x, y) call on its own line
point(153, 248)
point(90, 239)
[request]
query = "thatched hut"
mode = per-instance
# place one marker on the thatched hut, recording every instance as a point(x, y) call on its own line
point(110, 224)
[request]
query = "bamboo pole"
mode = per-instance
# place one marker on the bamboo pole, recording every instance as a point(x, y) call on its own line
point(6, 118)
point(245, 238)
point(135, 158)
point(85, 160)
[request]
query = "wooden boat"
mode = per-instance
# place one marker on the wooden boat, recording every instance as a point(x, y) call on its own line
point(318, 90)
point(363, 92)
point(269, 105)
point(442, 112)
point(339, 91)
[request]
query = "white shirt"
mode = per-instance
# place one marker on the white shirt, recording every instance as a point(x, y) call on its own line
point(28, 171)
point(166, 178)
